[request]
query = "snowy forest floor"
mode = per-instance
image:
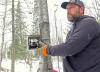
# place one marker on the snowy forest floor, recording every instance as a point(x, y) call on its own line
point(21, 66)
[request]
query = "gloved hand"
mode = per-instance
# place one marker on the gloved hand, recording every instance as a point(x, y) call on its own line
point(44, 51)
point(41, 48)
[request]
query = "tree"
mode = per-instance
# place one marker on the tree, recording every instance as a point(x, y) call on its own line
point(96, 5)
point(18, 48)
point(20, 28)
point(36, 22)
point(94, 10)
point(3, 34)
point(41, 22)
point(20, 34)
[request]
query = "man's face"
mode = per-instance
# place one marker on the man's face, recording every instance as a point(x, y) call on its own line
point(73, 11)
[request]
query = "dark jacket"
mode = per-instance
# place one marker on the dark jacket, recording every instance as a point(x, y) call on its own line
point(82, 47)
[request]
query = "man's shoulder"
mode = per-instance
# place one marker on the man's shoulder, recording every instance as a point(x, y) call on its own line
point(89, 19)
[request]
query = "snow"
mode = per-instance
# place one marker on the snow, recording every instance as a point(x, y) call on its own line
point(21, 66)
point(55, 66)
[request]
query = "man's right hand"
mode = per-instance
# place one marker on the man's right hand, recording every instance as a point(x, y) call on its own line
point(44, 51)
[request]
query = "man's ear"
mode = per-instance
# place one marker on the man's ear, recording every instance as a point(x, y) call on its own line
point(81, 10)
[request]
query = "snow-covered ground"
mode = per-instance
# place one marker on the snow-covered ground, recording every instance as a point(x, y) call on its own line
point(21, 66)
point(57, 67)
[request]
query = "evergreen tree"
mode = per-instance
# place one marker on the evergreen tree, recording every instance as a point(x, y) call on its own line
point(20, 40)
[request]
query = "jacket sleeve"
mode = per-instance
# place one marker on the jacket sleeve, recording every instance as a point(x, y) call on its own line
point(78, 41)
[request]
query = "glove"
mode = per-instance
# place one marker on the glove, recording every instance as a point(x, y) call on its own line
point(44, 51)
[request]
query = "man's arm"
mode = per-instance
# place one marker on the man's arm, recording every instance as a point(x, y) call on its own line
point(80, 38)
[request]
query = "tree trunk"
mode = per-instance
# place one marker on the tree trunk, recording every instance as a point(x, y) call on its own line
point(13, 41)
point(3, 32)
point(46, 64)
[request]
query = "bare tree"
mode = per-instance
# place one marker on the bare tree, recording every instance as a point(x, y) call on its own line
point(94, 10)
point(3, 33)
point(13, 40)
point(41, 28)
point(46, 64)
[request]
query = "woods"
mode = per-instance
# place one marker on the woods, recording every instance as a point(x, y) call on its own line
point(22, 18)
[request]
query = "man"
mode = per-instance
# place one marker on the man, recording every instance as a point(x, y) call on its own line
point(81, 50)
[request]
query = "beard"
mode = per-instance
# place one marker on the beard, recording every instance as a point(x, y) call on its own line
point(72, 18)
